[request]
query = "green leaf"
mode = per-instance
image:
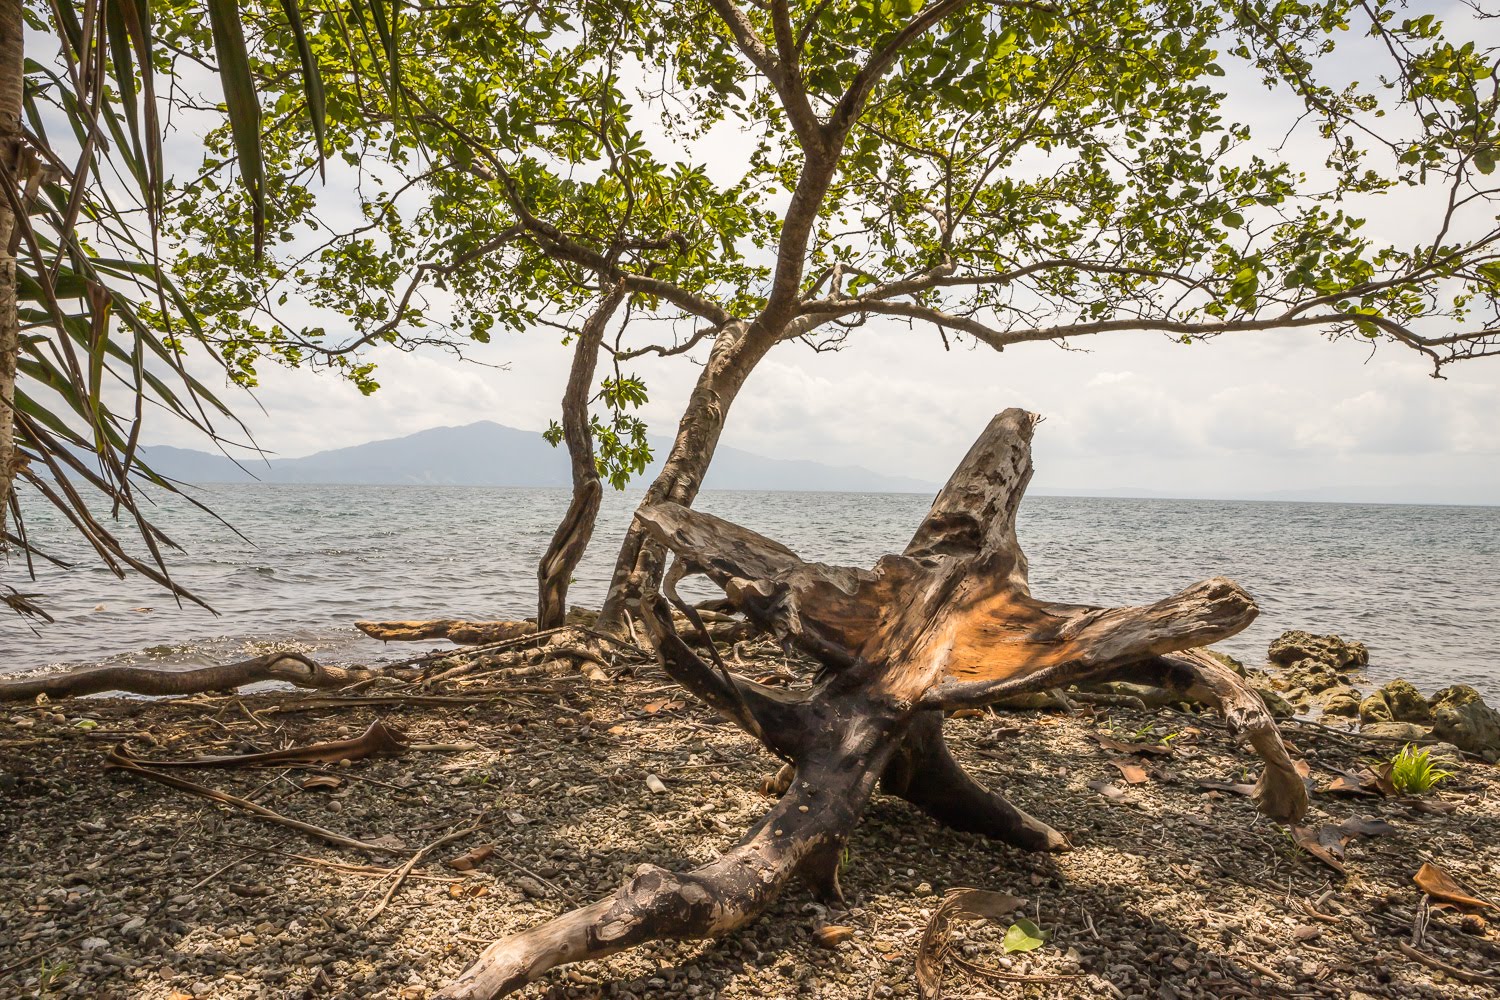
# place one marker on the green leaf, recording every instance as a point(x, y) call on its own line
point(1023, 935)
point(312, 77)
point(243, 104)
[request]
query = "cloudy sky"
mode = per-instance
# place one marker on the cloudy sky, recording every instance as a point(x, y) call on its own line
point(1251, 415)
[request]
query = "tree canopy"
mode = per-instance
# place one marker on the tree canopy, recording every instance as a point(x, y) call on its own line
point(1005, 172)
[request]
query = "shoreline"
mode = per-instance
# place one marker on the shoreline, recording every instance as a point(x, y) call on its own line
point(146, 891)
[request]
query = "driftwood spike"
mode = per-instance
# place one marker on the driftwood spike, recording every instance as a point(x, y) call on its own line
point(949, 622)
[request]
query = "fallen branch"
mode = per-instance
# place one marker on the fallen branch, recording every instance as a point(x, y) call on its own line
point(1462, 975)
point(411, 862)
point(464, 633)
point(119, 759)
point(375, 740)
point(289, 668)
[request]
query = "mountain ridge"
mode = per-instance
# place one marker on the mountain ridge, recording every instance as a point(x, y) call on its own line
point(486, 453)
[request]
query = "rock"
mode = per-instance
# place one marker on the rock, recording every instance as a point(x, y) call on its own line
point(1407, 732)
point(1278, 706)
point(1461, 717)
point(1447, 753)
point(1343, 702)
point(1375, 709)
point(1406, 702)
point(1311, 675)
point(1228, 661)
point(1292, 646)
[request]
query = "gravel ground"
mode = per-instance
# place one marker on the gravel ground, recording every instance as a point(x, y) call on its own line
point(113, 886)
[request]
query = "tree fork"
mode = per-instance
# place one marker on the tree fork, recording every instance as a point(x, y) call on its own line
point(949, 622)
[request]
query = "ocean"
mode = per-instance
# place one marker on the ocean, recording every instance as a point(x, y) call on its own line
point(1419, 585)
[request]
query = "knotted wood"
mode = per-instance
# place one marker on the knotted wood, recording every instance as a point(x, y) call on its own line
point(950, 622)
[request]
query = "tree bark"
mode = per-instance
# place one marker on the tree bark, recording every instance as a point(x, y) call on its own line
point(290, 668)
point(12, 85)
point(555, 570)
point(737, 350)
point(950, 622)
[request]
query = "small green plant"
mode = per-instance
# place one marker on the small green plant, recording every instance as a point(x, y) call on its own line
point(844, 856)
point(1414, 772)
point(49, 976)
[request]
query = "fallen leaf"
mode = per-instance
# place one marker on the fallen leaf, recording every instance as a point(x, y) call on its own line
point(1238, 788)
point(1306, 932)
point(1307, 839)
point(470, 860)
point(326, 781)
point(1133, 774)
point(1438, 884)
point(1122, 746)
point(1107, 790)
point(1023, 935)
point(389, 841)
point(653, 707)
point(516, 818)
point(832, 935)
point(616, 730)
point(1361, 782)
point(460, 890)
point(1432, 807)
point(958, 904)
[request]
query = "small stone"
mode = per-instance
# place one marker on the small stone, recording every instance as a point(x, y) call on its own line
point(93, 943)
point(655, 784)
point(923, 889)
point(1460, 717)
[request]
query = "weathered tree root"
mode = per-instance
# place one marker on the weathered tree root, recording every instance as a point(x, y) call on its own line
point(950, 623)
point(454, 630)
point(290, 668)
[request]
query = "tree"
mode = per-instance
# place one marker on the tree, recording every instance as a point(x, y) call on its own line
point(948, 623)
point(998, 172)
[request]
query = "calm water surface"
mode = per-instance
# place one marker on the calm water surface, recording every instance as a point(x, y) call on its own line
point(1419, 585)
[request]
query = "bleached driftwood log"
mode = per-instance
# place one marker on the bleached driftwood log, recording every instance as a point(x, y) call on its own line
point(949, 623)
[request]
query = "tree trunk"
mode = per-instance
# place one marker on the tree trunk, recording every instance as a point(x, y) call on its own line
point(948, 623)
point(555, 571)
point(289, 668)
point(737, 350)
point(12, 82)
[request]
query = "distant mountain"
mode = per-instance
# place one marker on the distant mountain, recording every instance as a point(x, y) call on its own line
point(490, 454)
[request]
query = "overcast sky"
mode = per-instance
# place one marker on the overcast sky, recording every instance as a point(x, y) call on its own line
point(1249, 415)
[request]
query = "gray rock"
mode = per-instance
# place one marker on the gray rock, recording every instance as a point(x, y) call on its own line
point(1406, 702)
point(1375, 709)
point(1460, 717)
point(1408, 732)
point(1292, 646)
point(1342, 702)
point(1277, 705)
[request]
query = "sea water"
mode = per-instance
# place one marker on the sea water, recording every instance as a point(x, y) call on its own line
point(1419, 585)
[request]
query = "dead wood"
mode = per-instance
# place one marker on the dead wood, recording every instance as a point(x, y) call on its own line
point(378, 739)
point(454, 630)
point(120, 759)
point(289, 668)
point(949, 623)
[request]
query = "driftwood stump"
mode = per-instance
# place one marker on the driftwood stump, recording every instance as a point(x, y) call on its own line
point(949, 623)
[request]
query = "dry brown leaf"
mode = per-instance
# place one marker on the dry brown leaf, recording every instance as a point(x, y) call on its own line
point(832, 935)
point(324, 781)
point(1133, 774)
point(1307, 839)
point(1238, 788)
point(1361, 782)
point(653, 707)
point(958, 904)
point(1438, 884)
point(459, 890)
point(467, 862)
point(1306, 932)
point(1107, 790)
point(1123, 746)
point(616, 730)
